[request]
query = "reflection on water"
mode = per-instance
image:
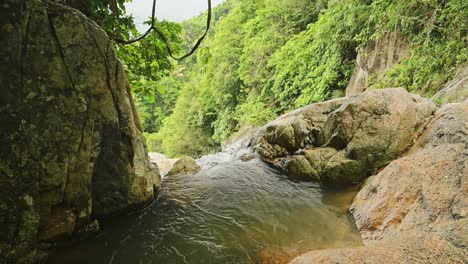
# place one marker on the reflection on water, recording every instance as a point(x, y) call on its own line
point(233, 212)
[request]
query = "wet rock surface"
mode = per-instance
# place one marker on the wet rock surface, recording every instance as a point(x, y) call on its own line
point(185, 165)
point(164, 163)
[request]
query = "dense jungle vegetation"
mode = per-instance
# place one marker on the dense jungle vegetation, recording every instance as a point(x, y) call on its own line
point(263, 58)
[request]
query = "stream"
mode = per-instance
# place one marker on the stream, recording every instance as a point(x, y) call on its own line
point(231, 212)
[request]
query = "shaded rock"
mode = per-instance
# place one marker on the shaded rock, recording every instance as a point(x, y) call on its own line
point(61, 222)
point(185, 165)
point(71, 142)
point(342, 170)
point(299, 168)
point(331, 165)
point(456, 90)
point(415, 210)
point(292, 131)
point(319, 157)
point(376, 58)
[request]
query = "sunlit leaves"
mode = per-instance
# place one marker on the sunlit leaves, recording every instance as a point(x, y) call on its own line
point(265, 57)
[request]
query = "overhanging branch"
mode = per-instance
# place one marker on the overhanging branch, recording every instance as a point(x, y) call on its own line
point(161, 34)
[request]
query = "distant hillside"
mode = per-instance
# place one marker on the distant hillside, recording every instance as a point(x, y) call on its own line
point(266, 57)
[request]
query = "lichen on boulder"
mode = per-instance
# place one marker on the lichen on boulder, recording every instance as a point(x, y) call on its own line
point(415, 209)
point(376, 58)
point(356, 136)
point(293, 131)
point(72, 147)
point(299, 168)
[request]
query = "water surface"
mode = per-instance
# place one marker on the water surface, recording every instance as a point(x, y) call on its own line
point(231, 212)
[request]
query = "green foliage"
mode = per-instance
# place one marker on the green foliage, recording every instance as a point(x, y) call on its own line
point(153, 142)
point(149, 69)
point(158, 102)
point(263, 58)
point(254, 112)
point(102, 12)
point(319, 60)
point(230, 70)
point(183, 133)
point(148, 59)
point(275, 22)
point(437, 33)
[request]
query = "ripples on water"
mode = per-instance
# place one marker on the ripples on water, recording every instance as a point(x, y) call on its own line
point(233, 212)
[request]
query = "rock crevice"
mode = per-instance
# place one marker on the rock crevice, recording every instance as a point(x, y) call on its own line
point(415, 209)
point(355, 137)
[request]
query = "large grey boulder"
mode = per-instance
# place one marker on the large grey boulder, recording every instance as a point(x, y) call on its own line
point(426, 187)
point(371, 130)
point(71, 143)
point(415, 210)
point(348, 138)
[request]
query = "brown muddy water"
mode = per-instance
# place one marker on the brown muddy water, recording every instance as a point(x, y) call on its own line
point(231, 212)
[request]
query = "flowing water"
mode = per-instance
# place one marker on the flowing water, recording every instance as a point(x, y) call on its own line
point(231, 212)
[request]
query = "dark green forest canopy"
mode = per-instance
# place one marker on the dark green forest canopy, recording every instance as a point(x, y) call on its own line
point(263, 58)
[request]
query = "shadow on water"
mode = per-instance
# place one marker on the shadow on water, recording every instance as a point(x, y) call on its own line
point(231, 212)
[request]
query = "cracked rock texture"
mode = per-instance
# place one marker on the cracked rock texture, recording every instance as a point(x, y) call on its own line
point(375, 60)
point(415, 210)
point(344, 140)
point(71, 143)
point(457, 89)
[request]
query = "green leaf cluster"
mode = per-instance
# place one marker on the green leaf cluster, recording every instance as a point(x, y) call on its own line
point(263, 58)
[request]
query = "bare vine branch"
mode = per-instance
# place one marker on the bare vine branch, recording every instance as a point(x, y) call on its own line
point(161, 34)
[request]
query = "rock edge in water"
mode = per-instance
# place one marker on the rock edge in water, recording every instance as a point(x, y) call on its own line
point(344, 140)
point(185, 165)
point(415, 209)
point(71, 142)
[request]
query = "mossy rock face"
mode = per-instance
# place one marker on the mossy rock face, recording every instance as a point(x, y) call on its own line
point(318, 157)
point(416, 207)
point(375, 127)
point(345, 140)
point(293, 131)
point(185, 165)
point(299, 168)
point(340, 170)
point(70, 140)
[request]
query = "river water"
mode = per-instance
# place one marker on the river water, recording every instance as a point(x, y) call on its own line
point(230, 212)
